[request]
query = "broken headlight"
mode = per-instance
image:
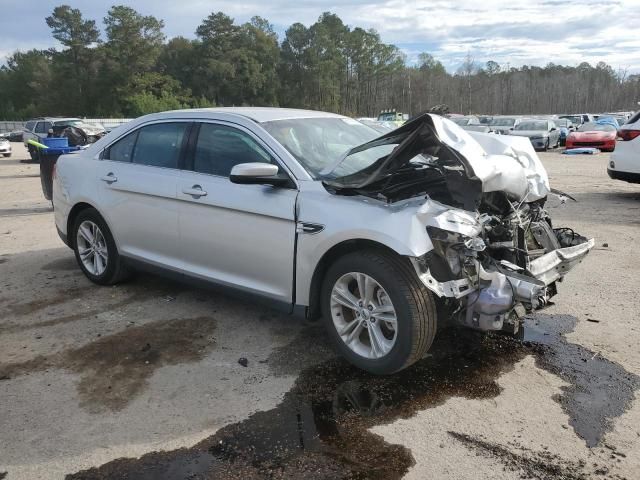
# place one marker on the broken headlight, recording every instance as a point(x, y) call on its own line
point(459, 251)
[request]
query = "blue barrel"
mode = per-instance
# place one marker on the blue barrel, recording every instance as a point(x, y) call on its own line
point(55, 142)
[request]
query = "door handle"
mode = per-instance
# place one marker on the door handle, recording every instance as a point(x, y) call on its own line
point(109, 178)
point(195, 191)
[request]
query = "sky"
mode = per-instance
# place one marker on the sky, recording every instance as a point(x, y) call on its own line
point(510, 32)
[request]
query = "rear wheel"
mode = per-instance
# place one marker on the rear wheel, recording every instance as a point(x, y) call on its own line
point(7, 155)
point(95, 249)
point(377, 311)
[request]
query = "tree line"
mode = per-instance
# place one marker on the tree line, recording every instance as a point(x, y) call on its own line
point(133, 69)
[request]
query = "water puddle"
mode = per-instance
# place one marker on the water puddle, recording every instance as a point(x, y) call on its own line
point(320, 430)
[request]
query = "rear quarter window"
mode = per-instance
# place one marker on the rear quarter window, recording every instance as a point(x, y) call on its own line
point(122, 149)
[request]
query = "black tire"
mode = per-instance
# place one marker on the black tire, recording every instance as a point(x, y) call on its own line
point(413, 303)
point(46, 180)
point(32, 153)
point(115, 270)
point(546, 146)
point(6, 155)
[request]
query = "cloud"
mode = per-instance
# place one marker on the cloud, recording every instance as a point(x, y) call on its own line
point(512, 31)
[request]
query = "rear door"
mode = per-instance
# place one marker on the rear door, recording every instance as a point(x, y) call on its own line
point(138, 177)
point(237, 235)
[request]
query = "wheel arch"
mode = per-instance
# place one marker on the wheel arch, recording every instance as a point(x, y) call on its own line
point(330, 256)
point(73, 214)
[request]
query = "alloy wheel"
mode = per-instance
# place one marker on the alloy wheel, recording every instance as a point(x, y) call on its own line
point(92, 248)
point(363, 315)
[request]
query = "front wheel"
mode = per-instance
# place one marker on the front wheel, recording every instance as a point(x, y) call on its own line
point(377, 311)
point(95, 249)
point(6, 155)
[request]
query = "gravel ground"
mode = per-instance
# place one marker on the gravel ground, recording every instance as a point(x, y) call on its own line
point(142, 380)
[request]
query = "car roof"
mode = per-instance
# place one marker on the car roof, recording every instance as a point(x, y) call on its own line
point(53, 119)
point(257, 114)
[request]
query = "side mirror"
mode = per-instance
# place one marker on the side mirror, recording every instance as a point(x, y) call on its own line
point(553, 129)
point(258, 174)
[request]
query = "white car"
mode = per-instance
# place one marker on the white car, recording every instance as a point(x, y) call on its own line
point(318, 214)
point(625, 159)
point(5, 147)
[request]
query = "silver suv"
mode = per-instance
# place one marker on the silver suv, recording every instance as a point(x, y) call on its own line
point(39, 128)
point(319, 215)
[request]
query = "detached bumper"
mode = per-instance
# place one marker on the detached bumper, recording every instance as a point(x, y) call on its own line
point(554, 265)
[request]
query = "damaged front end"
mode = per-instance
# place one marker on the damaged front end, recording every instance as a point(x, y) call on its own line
point(510, 267)
point(496, 254)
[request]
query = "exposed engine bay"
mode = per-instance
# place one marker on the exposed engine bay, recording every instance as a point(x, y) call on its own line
point(496, 254)
point(508, 270)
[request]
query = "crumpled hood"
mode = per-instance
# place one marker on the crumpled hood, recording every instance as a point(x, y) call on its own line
point(497, 162)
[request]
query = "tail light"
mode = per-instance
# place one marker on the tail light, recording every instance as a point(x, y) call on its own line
point(627, 135)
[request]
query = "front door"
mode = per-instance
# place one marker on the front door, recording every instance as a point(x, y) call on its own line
point(237, 235)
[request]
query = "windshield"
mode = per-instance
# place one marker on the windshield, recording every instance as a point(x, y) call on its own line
point(503, 122)
point(597, 127)
point(532, 126)
point(318, 143)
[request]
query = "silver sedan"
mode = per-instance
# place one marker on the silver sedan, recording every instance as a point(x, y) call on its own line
point(321, 216)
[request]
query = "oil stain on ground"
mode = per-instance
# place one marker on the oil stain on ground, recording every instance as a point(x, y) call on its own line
point(40, 303)
point(599, 389)
point(63, 264)
point(151, 287)
point(116, 368)
point(320, 430)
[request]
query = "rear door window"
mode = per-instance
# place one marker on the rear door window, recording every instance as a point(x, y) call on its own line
point(220, 148)
point(29, 126)
point(160, 145)
point(40, 127)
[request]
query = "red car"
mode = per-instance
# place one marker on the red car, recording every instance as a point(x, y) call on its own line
point(601, 136)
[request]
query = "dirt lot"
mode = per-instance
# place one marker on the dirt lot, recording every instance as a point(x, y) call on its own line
point(142, 380)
